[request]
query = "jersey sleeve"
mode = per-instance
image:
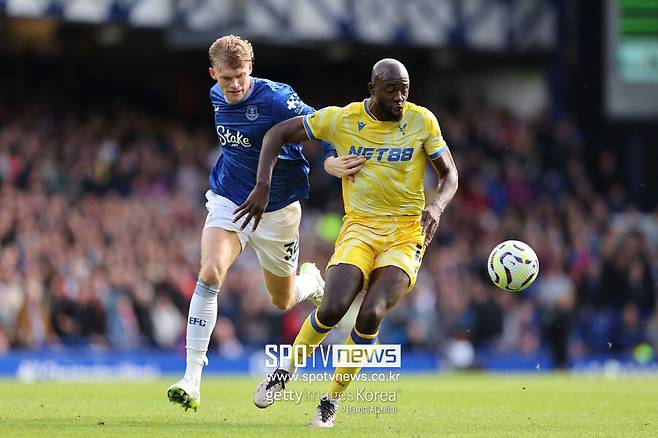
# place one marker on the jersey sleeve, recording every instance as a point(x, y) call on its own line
point(434, 145)
point(287, 105)
point(328, 150)
point(318, 125)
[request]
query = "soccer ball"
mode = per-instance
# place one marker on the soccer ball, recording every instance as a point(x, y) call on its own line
point(513, 265)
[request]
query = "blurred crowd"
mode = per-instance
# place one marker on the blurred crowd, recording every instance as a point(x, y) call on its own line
point(101, 216)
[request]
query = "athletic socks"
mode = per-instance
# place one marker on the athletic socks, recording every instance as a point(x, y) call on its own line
point(200, 325)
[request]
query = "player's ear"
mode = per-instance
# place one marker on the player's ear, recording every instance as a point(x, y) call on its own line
point(212, 73)
point(251, 67)
point(371, 88)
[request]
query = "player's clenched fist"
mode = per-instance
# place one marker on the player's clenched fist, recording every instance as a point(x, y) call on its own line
point(254, 206)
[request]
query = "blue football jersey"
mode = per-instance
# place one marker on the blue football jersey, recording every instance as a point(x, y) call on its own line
point(241, 127)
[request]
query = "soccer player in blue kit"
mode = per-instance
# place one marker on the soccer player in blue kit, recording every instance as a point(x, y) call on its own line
point(245, 109)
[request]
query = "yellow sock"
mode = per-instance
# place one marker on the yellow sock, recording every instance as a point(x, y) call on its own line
point(343, 376)
point(310, 336)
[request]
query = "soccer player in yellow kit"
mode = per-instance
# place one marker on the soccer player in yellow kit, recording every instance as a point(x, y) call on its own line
point(387, 225)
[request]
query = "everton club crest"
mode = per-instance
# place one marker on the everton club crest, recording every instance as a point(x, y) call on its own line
point(252, 113)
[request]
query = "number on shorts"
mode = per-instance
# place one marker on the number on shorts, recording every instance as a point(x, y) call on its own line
point(419, 250)
point(418, 256)
point(292, 249)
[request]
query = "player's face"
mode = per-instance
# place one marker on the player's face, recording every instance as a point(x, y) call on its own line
point(234, 82)
point(390, 95)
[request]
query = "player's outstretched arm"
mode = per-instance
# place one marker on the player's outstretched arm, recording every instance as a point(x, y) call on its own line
point(447, 186)
point(288, 131)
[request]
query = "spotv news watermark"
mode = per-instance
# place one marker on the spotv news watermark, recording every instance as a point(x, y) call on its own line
point(336, 355)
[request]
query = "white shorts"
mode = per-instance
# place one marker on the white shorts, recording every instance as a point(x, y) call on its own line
point(275, 241)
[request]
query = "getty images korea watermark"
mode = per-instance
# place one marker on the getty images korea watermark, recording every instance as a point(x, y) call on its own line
point(360, 400)
point(337, 355)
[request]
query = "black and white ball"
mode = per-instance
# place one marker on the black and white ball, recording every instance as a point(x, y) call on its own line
point(513, 265)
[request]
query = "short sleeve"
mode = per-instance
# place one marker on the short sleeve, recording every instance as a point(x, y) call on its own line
point(318, 124)
point(287, 104)
point(434, 145)
point(328, 150)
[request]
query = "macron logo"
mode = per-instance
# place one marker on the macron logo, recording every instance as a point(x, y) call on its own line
point(361, 125)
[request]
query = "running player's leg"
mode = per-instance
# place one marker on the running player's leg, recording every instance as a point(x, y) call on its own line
point(344, 282)
point(276, 243)
point(219, 249)
point(387, 285)
point(289, 290)
point(220, 246)
point(348, 273)
point(281, 289)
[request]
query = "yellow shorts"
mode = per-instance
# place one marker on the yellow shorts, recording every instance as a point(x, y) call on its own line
point(372, 242)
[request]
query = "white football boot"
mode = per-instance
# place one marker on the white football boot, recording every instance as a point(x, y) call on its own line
point(311, 269)
point(273, 383)
point(186, 393)
point(325, 413)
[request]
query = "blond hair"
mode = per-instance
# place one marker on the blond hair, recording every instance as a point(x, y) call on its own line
point(230, 51)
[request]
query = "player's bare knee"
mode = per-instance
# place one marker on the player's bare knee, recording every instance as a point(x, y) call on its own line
point(369, 319)
point(282, 302)
point(282, 295)
point(212, 273)
point(330, 314)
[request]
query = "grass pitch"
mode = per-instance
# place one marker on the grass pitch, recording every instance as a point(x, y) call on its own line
point(478, 405)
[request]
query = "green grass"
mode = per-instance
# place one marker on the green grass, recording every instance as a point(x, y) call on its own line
point(532, 405)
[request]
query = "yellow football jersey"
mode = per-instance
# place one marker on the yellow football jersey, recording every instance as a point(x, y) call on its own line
point(391, 181)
